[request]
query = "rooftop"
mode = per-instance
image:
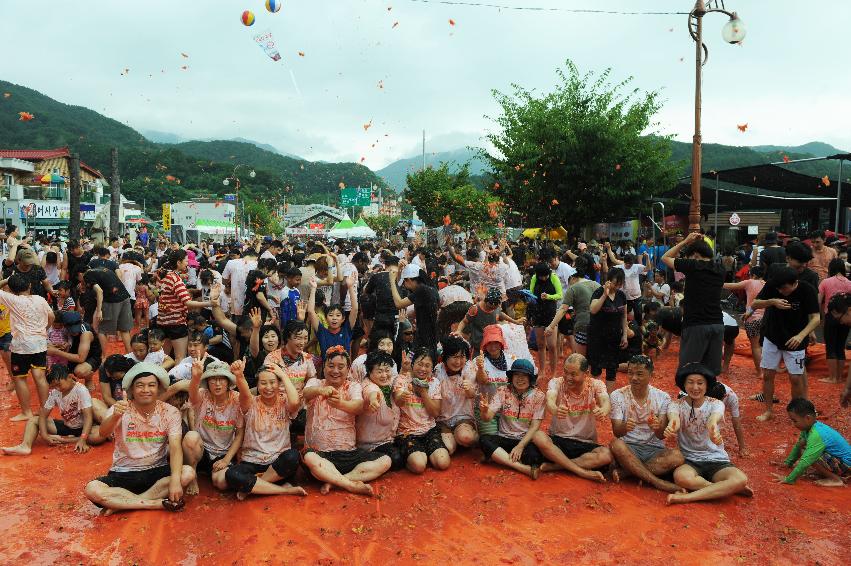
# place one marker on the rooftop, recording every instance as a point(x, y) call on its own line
point(42, 154)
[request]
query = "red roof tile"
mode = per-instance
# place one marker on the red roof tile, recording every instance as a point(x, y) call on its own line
point(41, 154)
point(35, 154)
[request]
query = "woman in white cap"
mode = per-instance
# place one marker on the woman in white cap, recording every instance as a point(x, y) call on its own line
point(268, 457)
point(219, 423)
point(147, 463)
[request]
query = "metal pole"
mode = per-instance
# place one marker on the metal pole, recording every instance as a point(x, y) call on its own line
point(115, 195)
point(74, 199)
point(236, 210)
point(838, 199)
point(716, 211)
point(423, 150)
point(696, 148)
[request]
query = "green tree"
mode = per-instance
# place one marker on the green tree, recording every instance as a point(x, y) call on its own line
point(435, 193)
point(382, 223)
point(579, 154)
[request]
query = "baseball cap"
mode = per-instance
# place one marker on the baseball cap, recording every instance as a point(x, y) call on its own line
point(411, 271)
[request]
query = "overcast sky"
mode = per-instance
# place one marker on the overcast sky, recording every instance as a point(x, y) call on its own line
point(786, 82)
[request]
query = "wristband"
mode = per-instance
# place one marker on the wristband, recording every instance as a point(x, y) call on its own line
point(84, 436)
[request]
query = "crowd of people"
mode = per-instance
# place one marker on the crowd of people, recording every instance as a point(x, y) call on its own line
point(262, 363)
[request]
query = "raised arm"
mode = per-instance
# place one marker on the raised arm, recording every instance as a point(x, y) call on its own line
point(246, 399)
point(353, 300)
point(218, 315)
point(195, 382)
point(673, 253)
point(394, 290)
point(254, 340)
point(312, 319)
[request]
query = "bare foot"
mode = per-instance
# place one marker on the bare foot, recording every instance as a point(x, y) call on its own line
point(106, 512)
point(325, 489)
point(595, 476)
point(360, 488)
point(766, 416)
point(829, 380)
point(241, 496)
point(21, 417)
point(534, 472)
point(19, 450)
point(677, 498)
point(616, 474)
point(746, 492)
point(830, 482)
point(670, 487)
point(294, 491)
point(548, 467)
point(192, 488)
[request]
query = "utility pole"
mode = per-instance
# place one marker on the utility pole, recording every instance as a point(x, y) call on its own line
point(74, 199)
point(423, 150)
point(115, 193)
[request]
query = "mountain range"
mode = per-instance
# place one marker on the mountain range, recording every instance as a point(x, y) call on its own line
point(158, 167)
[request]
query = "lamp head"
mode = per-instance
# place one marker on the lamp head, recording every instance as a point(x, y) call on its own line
point(734, 30)
point(226, 182)
point(252, 174)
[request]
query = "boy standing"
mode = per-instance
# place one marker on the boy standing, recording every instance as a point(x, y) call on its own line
point(819, 447)
point(791, 314)
point(30, 315)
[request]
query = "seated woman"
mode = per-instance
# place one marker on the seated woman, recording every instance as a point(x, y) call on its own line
point(695, 419)
point(418, 396)
point(491, 368)
point(266, 447)
point(376, 426)
point(458, 389)
point(331, 452)
point(219, 424)
point(521, 409)
point(379, 340)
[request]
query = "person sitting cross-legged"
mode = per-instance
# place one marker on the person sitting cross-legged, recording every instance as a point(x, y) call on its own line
point(521, 408)
point(147, 464)
point(639, 418)
point(707, 472)
point(575, 401)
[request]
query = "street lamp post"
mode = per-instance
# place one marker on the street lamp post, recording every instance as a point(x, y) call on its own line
point(226, 182)
point(733, 32)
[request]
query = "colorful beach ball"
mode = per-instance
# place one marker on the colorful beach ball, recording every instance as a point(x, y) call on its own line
point(248, 18)
point(273, 5)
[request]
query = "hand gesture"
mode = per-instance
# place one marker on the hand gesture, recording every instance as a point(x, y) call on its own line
point(599, 412)
point(715, 435)
point(313, 282)
point(563, 412)
point(409, 398)
point(81, 447)
point(301, 309)
point(781, 304)
point(630, 424)
point(654, 422)
point(256, 318)
point(278, 370)
point(197, 369)
point(335, 399)
point(120, 407)
point(374, 404)
point(673, 428)
point(466, 385)
point(406, 362)
point(516, 453)
point(215, 292)
point(693, 237)
point(238, 368)
point(480, 361)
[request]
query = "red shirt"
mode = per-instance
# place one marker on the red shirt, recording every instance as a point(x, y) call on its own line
point(172, 300)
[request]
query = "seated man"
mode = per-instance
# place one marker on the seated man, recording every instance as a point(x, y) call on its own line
point(575, 401)
point(147, 465)
point(639, 417)
point(78, 416)
point(707, 472)
point(818, 447)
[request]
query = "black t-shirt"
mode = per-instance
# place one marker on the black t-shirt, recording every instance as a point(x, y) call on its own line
point(97, 262)
point(94, 344)
point(115, 384)
point(781, 324)
point(379, 285)
point(610, 315)
point(807, 275)
point(88, 300)
point(772, 255)
point(701, 302)
point(113, 289)
point(75, 262)
point(35, 276)
point(426, 301)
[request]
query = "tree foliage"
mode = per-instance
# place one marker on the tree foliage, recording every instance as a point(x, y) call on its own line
point(434, 193)
point(383, 224)
point(577, 154)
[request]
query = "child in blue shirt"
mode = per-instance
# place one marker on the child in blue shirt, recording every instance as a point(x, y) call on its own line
point(290, 296)
point(824, 449)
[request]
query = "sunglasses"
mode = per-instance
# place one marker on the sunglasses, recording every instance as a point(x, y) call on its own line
point(408, 332)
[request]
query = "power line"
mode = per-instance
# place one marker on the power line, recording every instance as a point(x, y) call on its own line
point(549, 9)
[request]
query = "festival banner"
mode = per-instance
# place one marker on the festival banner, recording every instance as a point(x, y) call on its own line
point(166, 216)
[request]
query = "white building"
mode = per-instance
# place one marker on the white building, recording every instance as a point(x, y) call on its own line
point(211, 218)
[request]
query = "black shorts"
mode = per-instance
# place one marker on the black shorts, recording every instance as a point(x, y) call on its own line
point(835, 337)
point(63, 430)
point(707, 470)
point(565, 326)
point(175, 332)
point(730, 334)
point(490, 442)
point(544, 313)
point(23, 363)
point(427, 443)
point(136, 482)
point(347, 460)
point(205, 464)
point(573, 448)
point(298, 423)
point(395, 453)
